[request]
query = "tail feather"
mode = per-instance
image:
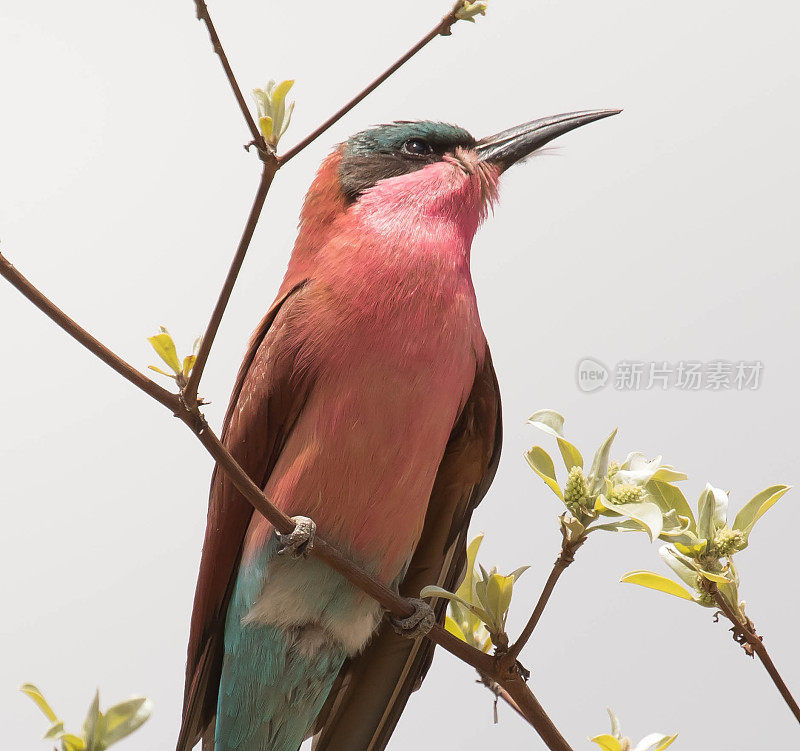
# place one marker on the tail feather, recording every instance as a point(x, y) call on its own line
point(275, 678)
point(271, 689)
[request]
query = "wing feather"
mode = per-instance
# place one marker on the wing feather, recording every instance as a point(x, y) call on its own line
point(267, 397)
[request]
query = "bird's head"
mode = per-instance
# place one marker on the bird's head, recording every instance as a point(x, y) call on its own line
point(409, 174)
point(387, 154)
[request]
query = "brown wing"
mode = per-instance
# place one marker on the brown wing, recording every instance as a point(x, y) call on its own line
point(266, 400)
point(372, 690)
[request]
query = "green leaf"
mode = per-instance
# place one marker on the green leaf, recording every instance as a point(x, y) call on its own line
point(666, 473)
point(712, 511)
point(618, 526)
point(287, 118)
point(188, 364)
point(757, 506)
point(451, 626)
point(54, 732)
point(655, 742)
point(570, 454)
point(542, 464)
point(281, 90)
point(549, 421)
point(500, 590)
point(680, 565)
point(124, 718)
point(92, 723)
point(165, 349)
point(644, 512)
point(73, 742)
point(466, 620)
point(616, 729)
point(674, 526)
point(730, 590)
point(599, 469)
point(669, 497)
point(434, 591)
point(607, 742)
point(467, 586)
point(33, 692)
point(265, 126)
point(714, 577)
point(163, 372)
point(690, 545)
point(656, 581)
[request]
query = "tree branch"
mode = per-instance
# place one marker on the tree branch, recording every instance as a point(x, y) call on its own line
point(745, 635)
point(267, 175)
point(128, 372)
point(533, 712)
point(441, 29)
point(203, 15)
point(567, 555)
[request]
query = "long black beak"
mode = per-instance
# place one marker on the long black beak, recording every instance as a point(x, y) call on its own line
point(503, 149)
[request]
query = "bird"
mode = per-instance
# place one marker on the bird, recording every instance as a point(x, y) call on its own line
point(367, 408)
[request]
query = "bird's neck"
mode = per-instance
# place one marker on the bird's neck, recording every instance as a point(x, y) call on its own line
point(418, 226)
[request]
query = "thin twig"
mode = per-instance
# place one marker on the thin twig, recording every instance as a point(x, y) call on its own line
point(203, 15)
point(441, 29)
point(565, 558)
point(745, 635)
point(190, 391)
point(128, 372)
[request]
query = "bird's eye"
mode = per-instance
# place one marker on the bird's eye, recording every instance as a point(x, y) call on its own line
point(417, 147)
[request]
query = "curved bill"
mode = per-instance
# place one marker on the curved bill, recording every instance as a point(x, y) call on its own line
point(509, 146)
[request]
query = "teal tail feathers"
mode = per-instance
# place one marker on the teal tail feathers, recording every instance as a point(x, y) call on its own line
point(271, 692)
point(274, 680)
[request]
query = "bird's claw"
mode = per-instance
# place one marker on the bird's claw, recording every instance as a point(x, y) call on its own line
point(416, 625)
point(300, 540)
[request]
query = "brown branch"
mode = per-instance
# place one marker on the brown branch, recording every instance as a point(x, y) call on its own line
point(569, 547)
point(128, 372)
point(499, 669)
point(267, 175)
point(441, 29)
point(500, 693)
point(203, 15)
point(533, 712)
point(744, 633)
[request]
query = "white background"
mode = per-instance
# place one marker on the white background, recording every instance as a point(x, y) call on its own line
point(667, 233)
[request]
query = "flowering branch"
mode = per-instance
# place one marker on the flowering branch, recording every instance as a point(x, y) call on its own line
point(569, 546)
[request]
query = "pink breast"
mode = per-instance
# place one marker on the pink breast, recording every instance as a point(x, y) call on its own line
point(392, 335)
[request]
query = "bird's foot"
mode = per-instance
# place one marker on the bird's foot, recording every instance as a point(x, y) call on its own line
point(416, 625)
point(299, 542)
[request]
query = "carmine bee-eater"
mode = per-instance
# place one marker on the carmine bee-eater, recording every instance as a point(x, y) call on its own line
point(367, 403)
